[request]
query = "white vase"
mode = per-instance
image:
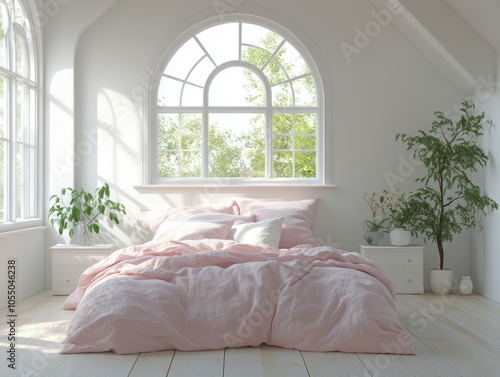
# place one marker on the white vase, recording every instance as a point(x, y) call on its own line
point(400, 237)
point(466, 286)
point(82, 236)
point(441, 281)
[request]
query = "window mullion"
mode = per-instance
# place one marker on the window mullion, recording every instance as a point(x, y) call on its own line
point(204, 135)
point(269, 143)
point(12, 162)
point(25, 153)
point(294, 140)
point(269, 129)
point(179, 144)
point(240, 39)
point(205, 51)
point(10, 129)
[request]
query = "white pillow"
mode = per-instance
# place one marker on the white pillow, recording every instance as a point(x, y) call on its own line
point(261, 233)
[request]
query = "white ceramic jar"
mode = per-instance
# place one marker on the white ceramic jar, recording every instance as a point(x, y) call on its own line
point(466, 286)
point(400, 237)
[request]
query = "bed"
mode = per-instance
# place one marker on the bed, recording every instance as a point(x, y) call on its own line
point(245, 274)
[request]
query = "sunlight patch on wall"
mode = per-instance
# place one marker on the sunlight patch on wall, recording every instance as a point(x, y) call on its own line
point(61, 120)
point(117, 135)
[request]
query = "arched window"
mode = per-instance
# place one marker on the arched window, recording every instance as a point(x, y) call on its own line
point(241, 103)
point(18, 115)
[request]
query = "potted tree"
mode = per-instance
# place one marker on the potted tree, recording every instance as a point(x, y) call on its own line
point(83, 212)
point(449, 201)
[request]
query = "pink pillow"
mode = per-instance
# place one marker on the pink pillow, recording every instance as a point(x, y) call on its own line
point(193, 230)
point(218, 217)
point(298, 223)
point(156, 218)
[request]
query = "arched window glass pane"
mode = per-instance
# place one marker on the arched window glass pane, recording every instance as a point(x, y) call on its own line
point(184, 59)
point(255, 55)
point(236, 86)
point(258, 36)
point(4, 28)
point(21, 53)
point(235, 141)
point(275, 72)
point(22, 112)
point(221, 42)
point(3, 107)
point(169, 92)
point(192, 96)
point(305, 93)
point(282, 95)
point(289, 58)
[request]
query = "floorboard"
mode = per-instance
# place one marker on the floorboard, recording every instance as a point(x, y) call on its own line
point(156, 364)
point(197, 364)
point(243, 362)
point(454, 335)
point(334, 364)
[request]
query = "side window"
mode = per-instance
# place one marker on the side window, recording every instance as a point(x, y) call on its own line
point(18, 115)
point(237, 101)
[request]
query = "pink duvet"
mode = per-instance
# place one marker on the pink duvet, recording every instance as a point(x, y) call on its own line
point(200, 295)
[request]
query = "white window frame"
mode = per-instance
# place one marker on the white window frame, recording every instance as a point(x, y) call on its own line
point(150, 156)
point(32, 195)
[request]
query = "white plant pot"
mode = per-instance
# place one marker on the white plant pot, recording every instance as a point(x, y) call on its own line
point(441, 281)
point(400, 237)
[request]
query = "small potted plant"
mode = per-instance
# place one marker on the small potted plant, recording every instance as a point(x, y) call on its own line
point(400, 216)
point(80, 211)
point(379, 223)
point(449, 201)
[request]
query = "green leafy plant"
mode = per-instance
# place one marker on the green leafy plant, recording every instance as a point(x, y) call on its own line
point(84, 209)
point(449, 201)
point(400, 213)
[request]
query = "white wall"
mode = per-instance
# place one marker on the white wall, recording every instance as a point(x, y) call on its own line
point(486, 256)
point(26, 248)
point(63, 151)
point(386, 88)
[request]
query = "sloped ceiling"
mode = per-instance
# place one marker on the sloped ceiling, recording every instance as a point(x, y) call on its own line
point(483, 16)
point(459, 37)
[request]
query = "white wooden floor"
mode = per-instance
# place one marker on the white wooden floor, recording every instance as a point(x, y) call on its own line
point(455, 336)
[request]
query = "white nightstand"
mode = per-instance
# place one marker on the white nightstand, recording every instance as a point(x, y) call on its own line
point(69, 261)
point(404, 264)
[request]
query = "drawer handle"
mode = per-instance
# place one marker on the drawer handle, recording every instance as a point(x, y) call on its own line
point(409, 280)
point(409, 260)
point(67, 281)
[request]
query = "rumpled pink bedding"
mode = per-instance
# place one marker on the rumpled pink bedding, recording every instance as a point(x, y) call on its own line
point(213, 294)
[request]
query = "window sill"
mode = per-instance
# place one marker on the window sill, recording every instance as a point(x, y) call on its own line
point(11, 228)
point(151, 189)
